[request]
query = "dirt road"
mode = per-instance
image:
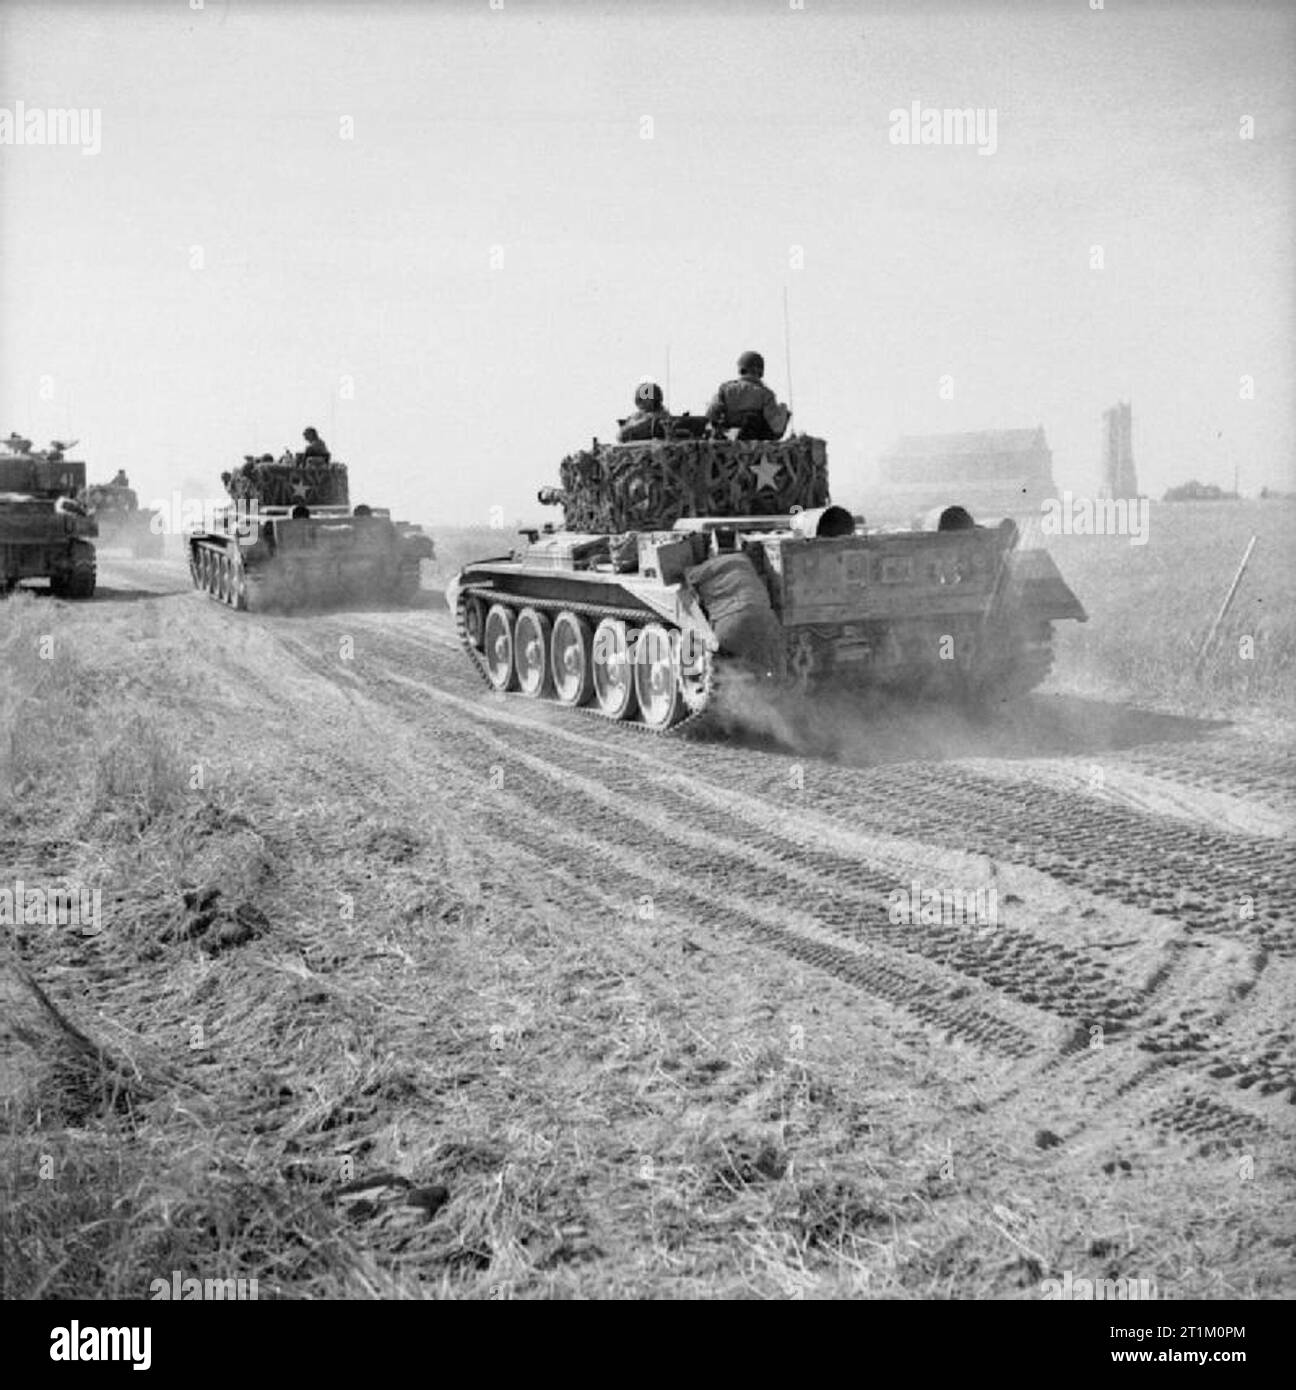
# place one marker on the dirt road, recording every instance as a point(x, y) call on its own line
point(1121, 1013)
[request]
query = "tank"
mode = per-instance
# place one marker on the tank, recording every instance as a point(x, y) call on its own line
point(290, 538)
point(123, 523)
point(683, 562)
point(45, 532)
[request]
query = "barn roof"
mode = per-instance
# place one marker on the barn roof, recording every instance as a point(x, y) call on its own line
point(980, 442)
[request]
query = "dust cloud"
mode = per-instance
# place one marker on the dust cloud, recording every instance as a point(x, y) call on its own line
point(868, 728)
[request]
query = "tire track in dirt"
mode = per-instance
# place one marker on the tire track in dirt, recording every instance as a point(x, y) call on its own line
point(515, 879)
point(1015, 970)
point(644, 851)
point(770, 872)
point(1201, 878)
point(1225, 766)
point(1198, 876)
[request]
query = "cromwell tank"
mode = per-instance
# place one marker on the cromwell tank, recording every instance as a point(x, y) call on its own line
point(122, 522)
point(45, 532)
point(290, 538)
point(684, 560)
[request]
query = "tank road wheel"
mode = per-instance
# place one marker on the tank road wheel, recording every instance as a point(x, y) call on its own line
point(570, 661)
point(78, 579)
point(614, 687)
point(498, 648)
point(531, 653)
point(694, 671)
point(656, 678)
point(475, 622)
point(238, 591)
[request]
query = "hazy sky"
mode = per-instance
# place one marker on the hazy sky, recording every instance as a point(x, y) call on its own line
point(438, 233)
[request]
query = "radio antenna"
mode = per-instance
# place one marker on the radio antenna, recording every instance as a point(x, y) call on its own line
point(787, 348)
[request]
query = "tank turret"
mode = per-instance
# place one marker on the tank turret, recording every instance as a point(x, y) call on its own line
point(297, 480)
point(649, 486)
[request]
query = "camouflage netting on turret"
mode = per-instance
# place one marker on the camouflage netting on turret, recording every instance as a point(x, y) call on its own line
point(650, 486)
point(310, 482)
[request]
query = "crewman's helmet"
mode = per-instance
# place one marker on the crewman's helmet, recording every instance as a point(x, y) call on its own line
point(648, 396)
point(309, 432)
point(751, 363)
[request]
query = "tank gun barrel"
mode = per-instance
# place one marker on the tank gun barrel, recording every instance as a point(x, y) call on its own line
point(552, 497)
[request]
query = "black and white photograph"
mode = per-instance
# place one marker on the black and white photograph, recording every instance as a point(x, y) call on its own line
point(647, 653)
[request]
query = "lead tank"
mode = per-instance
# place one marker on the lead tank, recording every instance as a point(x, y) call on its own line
point(290, 538)
point(45, 532)
point(680, 562)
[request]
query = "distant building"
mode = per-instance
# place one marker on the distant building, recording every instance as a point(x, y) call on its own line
point(992, 472)
point(1118, 476)
point(1199, 492)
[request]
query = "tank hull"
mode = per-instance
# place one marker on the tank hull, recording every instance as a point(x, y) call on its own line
point(957, 615)
point(291, 540)
point(329, 558)
point(44, 532)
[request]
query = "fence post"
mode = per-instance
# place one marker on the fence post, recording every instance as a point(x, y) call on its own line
point(1204, 650)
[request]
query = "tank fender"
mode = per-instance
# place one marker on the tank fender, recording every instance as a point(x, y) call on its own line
point(692, 618)
point(453, 585)
point(738, 608)
point(1035, 588)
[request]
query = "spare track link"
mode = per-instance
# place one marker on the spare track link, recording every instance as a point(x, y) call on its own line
point(596, 612)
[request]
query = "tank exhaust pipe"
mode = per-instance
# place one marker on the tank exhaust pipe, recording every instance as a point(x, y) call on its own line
point(951, 518)
point(823, 523)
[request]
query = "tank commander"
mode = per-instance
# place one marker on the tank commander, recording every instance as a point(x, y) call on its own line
point(650, 420)
point(120, 480)
point(315, 446)
point(747, 404)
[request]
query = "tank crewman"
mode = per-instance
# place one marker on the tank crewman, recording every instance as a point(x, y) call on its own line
point(315, 446)
point(650, 420)
point(747, 404)
point(120, 480)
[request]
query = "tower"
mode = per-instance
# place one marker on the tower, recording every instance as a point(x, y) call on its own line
point(1119, 478)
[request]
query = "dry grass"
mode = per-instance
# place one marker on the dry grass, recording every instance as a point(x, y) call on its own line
point(309, 1046)
point(1151, 606)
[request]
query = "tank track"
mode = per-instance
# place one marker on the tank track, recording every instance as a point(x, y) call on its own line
point(221, 575)
point(1029, 666)
point(78, 580)
point(699, 706)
